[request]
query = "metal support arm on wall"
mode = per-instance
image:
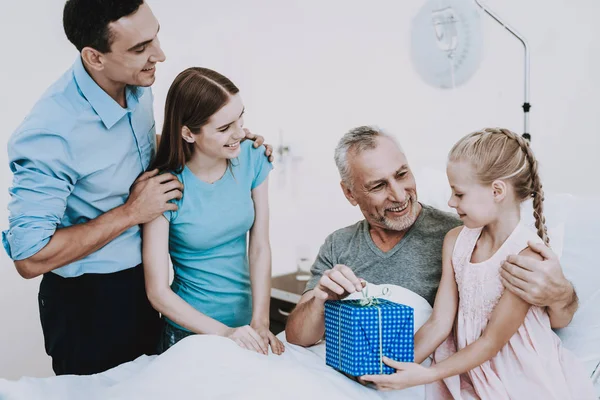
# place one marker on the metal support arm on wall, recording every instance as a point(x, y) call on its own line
point(526, 104)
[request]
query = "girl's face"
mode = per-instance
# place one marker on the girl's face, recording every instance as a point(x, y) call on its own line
point(473, 201)
point(220, 137)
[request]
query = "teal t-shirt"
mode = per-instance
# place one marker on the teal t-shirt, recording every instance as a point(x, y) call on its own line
point(208, 239)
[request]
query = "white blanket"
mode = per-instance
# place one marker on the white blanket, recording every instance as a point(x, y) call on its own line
point(211, 367)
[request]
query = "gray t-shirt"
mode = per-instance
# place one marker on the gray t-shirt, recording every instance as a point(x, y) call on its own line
point(415, 263)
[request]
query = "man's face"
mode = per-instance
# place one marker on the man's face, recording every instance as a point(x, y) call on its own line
point(135, 49)
point(383, 186)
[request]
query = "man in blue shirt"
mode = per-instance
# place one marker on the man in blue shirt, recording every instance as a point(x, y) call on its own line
point(80, 193)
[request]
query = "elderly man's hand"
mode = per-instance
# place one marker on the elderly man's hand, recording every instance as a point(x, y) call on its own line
point(540, 283)
point(337, 283)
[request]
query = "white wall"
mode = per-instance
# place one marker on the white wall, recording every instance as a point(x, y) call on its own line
point(314, 69)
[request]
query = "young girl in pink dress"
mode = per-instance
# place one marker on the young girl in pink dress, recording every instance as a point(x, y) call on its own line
point(501, 347)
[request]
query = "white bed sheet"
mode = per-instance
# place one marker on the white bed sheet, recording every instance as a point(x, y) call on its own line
point(207, 367)
point(212, 367)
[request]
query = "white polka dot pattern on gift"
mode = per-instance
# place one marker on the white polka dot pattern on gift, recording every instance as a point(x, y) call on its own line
point(356, 336)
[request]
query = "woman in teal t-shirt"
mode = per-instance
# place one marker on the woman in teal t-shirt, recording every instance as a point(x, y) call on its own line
point(221, 282)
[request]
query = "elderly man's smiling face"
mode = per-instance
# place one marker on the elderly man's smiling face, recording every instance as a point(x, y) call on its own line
point(383, 186)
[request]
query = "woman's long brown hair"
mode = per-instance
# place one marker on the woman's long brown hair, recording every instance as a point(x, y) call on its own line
point(195, 95)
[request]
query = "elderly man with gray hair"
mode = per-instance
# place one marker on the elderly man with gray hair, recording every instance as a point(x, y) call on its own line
point(400, 242)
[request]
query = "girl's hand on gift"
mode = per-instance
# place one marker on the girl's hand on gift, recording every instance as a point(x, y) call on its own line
point(406, 375)
point(268, 338)
point(247, 338)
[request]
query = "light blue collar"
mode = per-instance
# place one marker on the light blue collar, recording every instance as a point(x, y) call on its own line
point(109, 111)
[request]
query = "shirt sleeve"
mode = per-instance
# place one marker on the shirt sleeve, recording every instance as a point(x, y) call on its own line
point(43, 179)
point(324, 261)
point(262, 166)
point(172, 215)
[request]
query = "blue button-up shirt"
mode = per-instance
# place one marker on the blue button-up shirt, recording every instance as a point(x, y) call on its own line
point(74, 158)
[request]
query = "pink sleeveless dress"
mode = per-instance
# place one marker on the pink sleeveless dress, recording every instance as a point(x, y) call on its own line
point(533, 364)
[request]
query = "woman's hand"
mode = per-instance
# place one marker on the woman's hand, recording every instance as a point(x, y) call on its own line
point(406, 375)
point(247, 338)
point(268, 338)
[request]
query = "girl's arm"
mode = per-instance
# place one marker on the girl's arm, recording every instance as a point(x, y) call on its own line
point(507, 317)
point(155, 257)
point(259, 255)
point(439, 325)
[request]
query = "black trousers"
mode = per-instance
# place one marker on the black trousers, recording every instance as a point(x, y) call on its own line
point(94, 322)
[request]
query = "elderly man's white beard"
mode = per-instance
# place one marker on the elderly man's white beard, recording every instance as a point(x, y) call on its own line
point(406, 221)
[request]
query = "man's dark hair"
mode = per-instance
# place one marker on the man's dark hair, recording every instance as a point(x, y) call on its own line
point(86, 21)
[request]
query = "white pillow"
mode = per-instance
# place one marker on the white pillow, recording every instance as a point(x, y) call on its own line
point(580, 265)
point(556, 212)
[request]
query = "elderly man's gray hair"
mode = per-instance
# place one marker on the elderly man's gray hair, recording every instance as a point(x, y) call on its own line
point(356, 141)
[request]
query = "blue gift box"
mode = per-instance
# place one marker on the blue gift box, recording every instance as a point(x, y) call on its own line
point(357, 336)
